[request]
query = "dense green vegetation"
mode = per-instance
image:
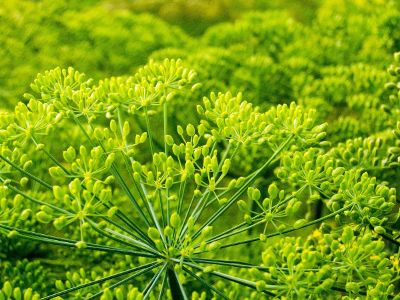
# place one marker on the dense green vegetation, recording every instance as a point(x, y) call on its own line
point(187, 150)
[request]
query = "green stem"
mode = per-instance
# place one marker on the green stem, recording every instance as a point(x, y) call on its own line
point(133, 243)
point(257, 218)
point(148, 289)
point(234, 232)
point(287, 230)
point(144, 239)
point(238, 280)
point(26, 173)
point(34, 200)
point(165, 115)
point(205, 283)
point(229, 263)
point(117, 175)
point(176, 288)
point(101, 280)
point(149, 131)
point(127, 279)
point(203, 200)
point(34, 236)
point(243, 188)
point(390, 239)
point(162, 289)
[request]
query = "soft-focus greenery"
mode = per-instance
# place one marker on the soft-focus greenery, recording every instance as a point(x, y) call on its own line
point(214, 150)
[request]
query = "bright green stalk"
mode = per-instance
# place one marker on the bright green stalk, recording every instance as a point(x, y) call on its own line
point(162, 289)
point(238, 280)
point(101, 280)
point(34, 200)
point(127, 279)
point(243, 188)
point(257, 218)
point(165, 121)
point(290, 229)
point(149, 288)
point(116, 236)
point(149, 130)
point(26, 173)
point(117, 175)
point(30, 235)
point(205, 283)
point(177, 290)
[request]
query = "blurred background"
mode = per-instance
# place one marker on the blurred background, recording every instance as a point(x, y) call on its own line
point(109, 37)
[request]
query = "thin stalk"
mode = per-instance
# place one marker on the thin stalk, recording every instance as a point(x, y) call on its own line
point(205, 283)
point(101, 280)
point(140, 190)
point(51, 156)
point(149, 288)
point(26, 173)
point(141, 128)
point(133, 243)
point(238, 280)
point(229, 263)
point(176, 288)
point(186, 215)
point(287, 230)
point(161, 208)
point(162, 289)
point(34, 200)
point(181, 195)
point(30, 235)
point(129, 278)
point(129, 194)
point(255, 218)
point(117, 175)
point(165, 121)
point(390, 239)
point(217, 237)
point(243, 188)
point(132, 225)
point(146, 240)
point(149, 131)
point(50, 187)
point(128, 167)
point(160, 231)
point(235, 232)
point(200, 205)
point(184, 228)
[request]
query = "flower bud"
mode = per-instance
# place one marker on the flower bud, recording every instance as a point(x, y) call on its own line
point(69, 154)
point(190, 130)
point(175, 220)
point(347, 235)
point(80, 245)
point(243, 206)
point(43, 217)
point(153, 233)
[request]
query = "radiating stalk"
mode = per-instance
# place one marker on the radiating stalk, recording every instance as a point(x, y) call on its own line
point(205, 283)
point(176, 288)
point(243, 188)
point(101, 280)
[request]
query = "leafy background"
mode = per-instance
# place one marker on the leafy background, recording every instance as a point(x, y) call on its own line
point(330, 55)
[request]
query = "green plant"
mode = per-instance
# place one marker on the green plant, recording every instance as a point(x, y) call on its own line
point(102, 180)
point(159, 201)
point(40, 35)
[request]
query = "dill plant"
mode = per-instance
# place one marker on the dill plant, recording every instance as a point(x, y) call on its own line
point(165, 202)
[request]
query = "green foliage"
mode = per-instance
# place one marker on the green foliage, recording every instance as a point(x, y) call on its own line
point(259, 161)
point(40, 35)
